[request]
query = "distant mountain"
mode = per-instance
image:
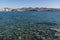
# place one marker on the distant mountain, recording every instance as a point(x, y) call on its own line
point(30, 9)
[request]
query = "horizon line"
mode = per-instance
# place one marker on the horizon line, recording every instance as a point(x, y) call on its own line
point(30, 7)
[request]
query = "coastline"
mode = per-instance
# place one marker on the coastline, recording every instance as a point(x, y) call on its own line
point(27, 9)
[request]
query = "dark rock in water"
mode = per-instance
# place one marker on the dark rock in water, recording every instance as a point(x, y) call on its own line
point(47, 23)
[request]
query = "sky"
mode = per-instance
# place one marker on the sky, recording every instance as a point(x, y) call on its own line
point(30, 3)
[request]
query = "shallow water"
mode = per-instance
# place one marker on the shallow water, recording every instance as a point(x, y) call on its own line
point(8, 19)
point(13, 23)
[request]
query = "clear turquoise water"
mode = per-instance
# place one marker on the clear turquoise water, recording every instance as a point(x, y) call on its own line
point(15, 24)
point(8, 20)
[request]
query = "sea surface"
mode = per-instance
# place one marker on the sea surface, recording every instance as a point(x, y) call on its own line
point(11, 20)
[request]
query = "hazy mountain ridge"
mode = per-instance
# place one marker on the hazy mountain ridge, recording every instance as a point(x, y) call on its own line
point(29, 9)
